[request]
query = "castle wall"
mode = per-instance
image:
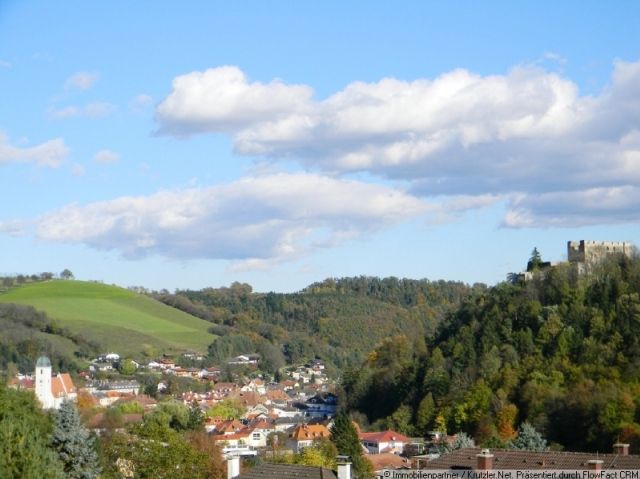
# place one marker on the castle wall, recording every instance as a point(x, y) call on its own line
point(595, 251)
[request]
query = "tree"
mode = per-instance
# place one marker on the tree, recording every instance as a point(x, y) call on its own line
point(127, 367)
point(196, 417)
point(202, 442)
point(321, 453)
point(462, 441)
point(154, 454)
point(66, 274)
point(426, 414)
point(529, 439)
point(535, 261)
point(227, 409)
point(24, 430)
point(73, 444)
point(345, 437)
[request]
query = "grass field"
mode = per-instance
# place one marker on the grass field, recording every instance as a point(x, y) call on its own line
point(120, 320)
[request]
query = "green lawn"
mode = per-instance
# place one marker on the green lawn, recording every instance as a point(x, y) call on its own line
point(120, 320)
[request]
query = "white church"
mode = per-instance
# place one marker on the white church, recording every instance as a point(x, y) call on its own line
point(50, 390)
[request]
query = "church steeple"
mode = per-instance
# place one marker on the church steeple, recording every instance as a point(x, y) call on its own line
point(43, 382)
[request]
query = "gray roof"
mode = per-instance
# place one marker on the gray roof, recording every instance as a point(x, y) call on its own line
point(43, 362)
point(287, 471)
point(509, 459)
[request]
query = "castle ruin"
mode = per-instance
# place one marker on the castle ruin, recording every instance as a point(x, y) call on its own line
point(592, 252)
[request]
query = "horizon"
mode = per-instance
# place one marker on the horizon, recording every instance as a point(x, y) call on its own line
point(278, 145)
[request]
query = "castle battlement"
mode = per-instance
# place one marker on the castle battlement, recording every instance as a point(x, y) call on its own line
point(591, 252)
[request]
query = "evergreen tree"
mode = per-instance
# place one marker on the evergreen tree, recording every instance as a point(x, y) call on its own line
point(462, 441)
point(345, 437)
point(426, 414)
point(534, 261)
point(196, 417)
point(529, 439)
point(74, 444)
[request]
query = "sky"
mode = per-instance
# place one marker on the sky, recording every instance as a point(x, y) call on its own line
point(193, 144)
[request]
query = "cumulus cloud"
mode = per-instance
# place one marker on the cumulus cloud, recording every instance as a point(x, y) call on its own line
point(221, 99)
point(576, 208)
point(106, 156)
point(81, 81)
point(50, 153)
point(526, 133)
point(256, 220)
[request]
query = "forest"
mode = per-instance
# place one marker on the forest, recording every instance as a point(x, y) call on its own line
point(560, 352)
point(324, 320)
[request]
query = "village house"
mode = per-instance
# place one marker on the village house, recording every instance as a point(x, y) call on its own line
point(385, 441)
point(255, 385)
point(122, 386)
point(304, 435)
point(244, 360)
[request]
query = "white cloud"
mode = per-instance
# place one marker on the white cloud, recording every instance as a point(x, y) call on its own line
point(257, 221)
point(13, 227)
point(90, 110)
point(221, 99)
point(523, 134)
point(106, 156)
point(78, 170)
point(140, 102)
point(50, 153)
point(576, 208)
point(98, 109)
point(63, 112)
point(81, 81)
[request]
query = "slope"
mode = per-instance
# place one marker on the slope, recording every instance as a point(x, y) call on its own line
point(118, 319)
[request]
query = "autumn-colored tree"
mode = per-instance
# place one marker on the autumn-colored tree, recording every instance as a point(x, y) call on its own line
point(202, 442)
point(506, 420)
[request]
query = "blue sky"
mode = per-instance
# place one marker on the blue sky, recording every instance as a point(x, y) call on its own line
point(193, 144)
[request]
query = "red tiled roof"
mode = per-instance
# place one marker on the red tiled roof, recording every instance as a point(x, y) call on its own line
point(228, 437)
point(384, 436)
point(387, 461)
point(61, 385)
point(310, 431)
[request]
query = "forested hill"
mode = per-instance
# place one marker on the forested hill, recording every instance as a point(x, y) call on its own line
point(339, 320)
point(560, 352)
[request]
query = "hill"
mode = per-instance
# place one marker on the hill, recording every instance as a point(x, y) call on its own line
point(114, 318)
point(560, 351)
point(338, 320)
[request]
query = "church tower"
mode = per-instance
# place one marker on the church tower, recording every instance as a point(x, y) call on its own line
point(43, 382)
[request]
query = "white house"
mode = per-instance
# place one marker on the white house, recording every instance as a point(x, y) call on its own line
point(385, 441)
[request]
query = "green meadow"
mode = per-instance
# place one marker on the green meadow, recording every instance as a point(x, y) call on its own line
point(120, 320)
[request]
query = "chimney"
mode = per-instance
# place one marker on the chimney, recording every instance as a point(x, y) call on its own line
point(344, 467)
point(621, 449)
point(595, 465)
point(484, 460)
point(233, 466)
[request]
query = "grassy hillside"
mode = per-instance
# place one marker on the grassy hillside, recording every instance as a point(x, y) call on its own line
point(118, 319)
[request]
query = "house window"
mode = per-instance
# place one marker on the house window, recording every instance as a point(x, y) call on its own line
point(256, 436)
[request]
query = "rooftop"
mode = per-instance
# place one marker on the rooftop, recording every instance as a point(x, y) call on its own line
point(508, 459)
